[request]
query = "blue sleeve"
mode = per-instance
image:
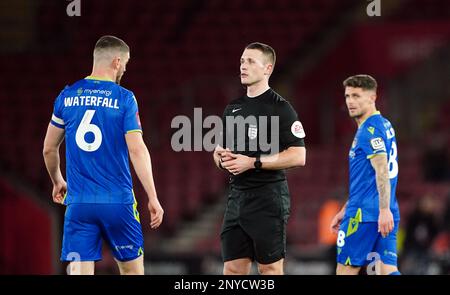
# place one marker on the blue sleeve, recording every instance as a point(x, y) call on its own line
point(131, 122)
point(57, 117)
point(372, 141)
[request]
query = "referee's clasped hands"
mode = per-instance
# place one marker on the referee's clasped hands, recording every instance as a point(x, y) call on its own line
point(235, 163)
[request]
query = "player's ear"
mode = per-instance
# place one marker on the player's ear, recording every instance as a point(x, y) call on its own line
point(269, 68)
point(116, 63)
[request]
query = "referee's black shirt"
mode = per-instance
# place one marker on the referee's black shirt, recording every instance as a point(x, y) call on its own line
point(290, 132)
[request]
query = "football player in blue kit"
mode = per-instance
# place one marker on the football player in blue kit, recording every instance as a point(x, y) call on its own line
point(99, 121)
point(367, 224)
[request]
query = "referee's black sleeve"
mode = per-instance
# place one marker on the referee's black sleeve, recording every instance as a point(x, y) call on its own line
point(291, 129)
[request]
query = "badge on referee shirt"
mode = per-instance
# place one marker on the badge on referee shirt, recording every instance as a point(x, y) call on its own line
point(297, 129)
point(252, 131)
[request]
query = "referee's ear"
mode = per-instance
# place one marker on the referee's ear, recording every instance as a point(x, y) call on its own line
point(269, 70)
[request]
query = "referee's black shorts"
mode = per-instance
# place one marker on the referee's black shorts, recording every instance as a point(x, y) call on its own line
point(254, 224)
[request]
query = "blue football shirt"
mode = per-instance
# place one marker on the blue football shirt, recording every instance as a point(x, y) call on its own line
point(374, 136)
point(96, 114)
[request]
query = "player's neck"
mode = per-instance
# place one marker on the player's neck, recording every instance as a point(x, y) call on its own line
point(364, 117)
point(257, 89)
point(103, 74)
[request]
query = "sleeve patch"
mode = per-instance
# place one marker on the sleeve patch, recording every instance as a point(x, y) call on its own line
point(378, 144)
point(297, 129)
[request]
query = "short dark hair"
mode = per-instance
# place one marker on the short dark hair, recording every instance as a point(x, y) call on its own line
point(267, 50)
point(111, 42)
point(365, 82)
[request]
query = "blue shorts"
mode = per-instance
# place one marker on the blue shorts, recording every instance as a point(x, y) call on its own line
point(86, 224)
point(360, 243)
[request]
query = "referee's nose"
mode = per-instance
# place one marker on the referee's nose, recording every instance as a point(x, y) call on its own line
point(243, 67)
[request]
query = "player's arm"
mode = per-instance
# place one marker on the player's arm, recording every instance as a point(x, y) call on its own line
point(140, 157)
point(52, 142)
point(294, 156)
point(336, 221)
point(380, 165)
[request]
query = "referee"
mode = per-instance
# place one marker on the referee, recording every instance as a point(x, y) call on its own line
point(254, 225)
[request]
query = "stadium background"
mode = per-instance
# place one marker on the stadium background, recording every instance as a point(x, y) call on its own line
point(185, 54)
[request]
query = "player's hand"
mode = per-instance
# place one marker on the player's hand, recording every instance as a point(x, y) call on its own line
point(336, 222)
point(385, 222)
point(59, 191)
point(156, 212)
point(238, 164)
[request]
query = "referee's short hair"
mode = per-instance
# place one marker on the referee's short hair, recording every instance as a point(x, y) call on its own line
point(110, 44)
point(267, 50)
point(366, 82)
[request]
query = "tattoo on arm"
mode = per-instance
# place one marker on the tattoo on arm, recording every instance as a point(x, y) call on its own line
point(380, 165)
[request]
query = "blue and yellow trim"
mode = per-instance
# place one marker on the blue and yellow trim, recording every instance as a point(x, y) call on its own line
point(353, 224)
point(348, 261)
point(64, 199)
point(98, 78)
point(135, 210)
point(375, 113)
point(373, 155)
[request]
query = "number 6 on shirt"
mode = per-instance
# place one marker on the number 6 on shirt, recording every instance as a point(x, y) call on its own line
point(85, 127)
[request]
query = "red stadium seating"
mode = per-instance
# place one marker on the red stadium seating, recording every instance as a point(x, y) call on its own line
point(184, 58)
